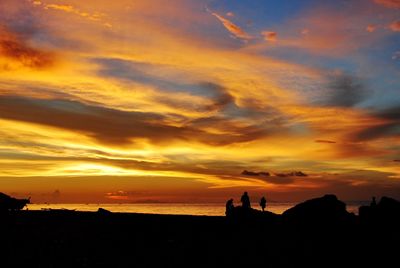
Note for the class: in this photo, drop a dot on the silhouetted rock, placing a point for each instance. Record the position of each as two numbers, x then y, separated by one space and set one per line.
10 203
327 209
386 212
103 211
240 213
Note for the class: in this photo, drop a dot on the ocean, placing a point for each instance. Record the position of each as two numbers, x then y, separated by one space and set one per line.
207 209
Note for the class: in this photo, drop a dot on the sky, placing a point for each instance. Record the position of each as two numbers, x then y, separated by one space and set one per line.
199 100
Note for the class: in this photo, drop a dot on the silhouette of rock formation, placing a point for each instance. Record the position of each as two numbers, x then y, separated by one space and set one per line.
103 211
240 213
386 212
327 209
10 203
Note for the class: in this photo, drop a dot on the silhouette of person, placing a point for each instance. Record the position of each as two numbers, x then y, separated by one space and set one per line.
229 207
263 203
373 203
245 201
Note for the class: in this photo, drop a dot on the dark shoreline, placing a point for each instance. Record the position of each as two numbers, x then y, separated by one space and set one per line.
102 239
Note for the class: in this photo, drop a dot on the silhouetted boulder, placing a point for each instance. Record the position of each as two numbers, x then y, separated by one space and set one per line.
10 203
389 205
240 213
103 211
327 210
386 212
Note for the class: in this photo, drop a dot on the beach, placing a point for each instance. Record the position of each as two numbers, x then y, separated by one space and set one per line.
198 209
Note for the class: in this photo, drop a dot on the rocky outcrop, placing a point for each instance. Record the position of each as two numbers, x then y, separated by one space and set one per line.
386 212
240 213
10 203
323 210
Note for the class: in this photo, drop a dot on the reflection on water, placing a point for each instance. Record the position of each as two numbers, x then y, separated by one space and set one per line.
209 209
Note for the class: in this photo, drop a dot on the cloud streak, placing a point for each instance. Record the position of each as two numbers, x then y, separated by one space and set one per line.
95 16
389 3
235 30
395 26
112 126
269 36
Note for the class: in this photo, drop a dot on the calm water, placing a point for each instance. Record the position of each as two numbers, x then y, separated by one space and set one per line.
210 209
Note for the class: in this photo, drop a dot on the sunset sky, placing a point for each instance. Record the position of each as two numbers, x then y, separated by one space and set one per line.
171 100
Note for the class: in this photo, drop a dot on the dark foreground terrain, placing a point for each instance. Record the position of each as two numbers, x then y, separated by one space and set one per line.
247 239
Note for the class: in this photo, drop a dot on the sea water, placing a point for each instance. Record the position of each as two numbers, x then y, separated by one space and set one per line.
208 209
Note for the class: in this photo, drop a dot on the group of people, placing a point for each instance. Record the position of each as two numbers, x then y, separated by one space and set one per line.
245 200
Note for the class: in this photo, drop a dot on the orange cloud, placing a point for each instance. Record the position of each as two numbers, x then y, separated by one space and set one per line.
325 141
16 48
371 28
395 26
389 3
305 31
269 36
232 28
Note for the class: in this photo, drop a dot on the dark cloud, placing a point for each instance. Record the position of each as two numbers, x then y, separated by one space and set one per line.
275 178
396 160
20 18
110 125
221 97
380 131
392 113
292 174
325 141
16 47
146 73
252 173
342 90
389 127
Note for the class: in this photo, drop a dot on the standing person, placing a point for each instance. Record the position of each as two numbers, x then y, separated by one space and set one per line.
245 201
373 203
229 207
263 203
